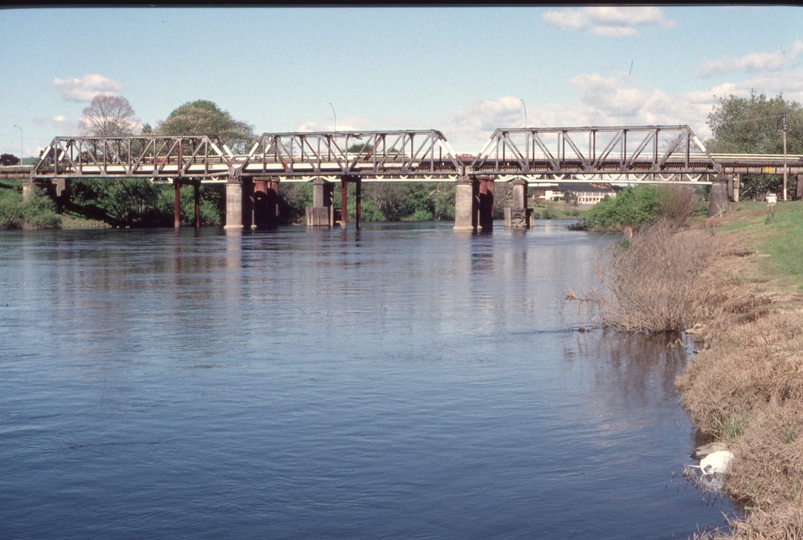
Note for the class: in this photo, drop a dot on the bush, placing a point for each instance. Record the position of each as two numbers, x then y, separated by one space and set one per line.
651 283
637 207
38 212
633 207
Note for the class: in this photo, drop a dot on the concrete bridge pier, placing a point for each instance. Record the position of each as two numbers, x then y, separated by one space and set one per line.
239 203
485 203
322 212
519 216
58 190
466 190
718 200
736 182
27 190
266 203
799 189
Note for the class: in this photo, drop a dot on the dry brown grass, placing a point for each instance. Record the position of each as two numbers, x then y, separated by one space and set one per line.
746 389
651 283
783 524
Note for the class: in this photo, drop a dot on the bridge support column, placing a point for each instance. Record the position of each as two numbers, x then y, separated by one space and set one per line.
358 196
343 201
718 201
266 203
176 203
519 216
799 189
27 191
239 207
485 205
321 214
344 180
196 187
737 182
465 204
61 188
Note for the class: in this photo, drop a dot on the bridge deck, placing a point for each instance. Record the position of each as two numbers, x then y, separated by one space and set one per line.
627 154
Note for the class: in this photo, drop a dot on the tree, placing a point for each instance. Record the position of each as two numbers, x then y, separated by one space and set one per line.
203 117
754 125
9 159
109 116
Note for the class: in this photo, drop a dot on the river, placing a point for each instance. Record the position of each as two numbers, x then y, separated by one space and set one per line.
401 381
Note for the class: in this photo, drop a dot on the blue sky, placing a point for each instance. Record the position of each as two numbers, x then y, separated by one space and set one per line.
464 71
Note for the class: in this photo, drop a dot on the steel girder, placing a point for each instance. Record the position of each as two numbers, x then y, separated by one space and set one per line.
151 157
388 154
595 150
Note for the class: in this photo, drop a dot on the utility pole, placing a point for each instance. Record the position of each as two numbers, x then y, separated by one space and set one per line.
784 157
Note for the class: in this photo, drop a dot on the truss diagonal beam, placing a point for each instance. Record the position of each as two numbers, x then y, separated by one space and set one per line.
642 149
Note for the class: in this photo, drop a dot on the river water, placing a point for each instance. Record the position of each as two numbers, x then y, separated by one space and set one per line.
402 381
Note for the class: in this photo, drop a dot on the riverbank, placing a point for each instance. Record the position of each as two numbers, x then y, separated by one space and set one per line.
745 386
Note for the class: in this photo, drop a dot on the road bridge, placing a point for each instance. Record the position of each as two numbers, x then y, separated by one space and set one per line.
523 156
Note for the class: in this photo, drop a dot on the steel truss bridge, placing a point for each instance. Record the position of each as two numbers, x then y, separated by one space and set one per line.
632 154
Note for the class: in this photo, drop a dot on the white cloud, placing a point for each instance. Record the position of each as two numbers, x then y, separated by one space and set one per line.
605 101
75 89
349 123
60 123
760 61
608 21
610 101
613 31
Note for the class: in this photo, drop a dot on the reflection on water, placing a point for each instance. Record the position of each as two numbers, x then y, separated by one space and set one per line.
400 381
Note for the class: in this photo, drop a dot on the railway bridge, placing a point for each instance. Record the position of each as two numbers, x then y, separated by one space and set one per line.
522 156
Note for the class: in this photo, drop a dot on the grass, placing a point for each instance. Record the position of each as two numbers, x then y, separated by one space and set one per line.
559 210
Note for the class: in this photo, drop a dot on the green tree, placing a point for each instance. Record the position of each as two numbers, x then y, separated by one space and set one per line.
631 207
9 159
203 117
754 125
136 202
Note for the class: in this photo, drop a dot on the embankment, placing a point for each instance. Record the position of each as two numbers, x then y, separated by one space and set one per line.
745 387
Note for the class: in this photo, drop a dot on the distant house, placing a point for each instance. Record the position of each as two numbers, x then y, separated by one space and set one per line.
587 194
595 196
542 194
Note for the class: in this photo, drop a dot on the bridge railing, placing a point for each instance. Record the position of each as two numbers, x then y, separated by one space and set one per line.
595 150
153 157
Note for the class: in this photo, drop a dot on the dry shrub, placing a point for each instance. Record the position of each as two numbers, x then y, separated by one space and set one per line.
651 284
677 204
783 524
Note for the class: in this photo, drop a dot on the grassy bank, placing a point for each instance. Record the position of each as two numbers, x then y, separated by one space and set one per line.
745 387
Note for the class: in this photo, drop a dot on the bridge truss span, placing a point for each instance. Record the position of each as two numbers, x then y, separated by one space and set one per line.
371 155
654 152
154 157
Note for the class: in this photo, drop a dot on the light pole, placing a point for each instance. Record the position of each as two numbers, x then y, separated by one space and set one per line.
335 115
525 113
784 157
22 143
